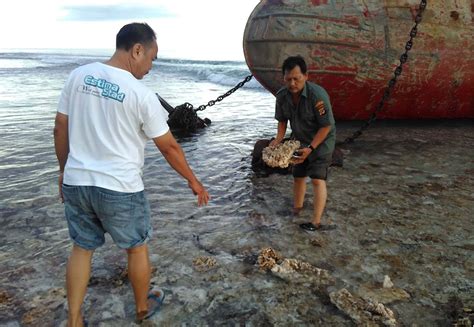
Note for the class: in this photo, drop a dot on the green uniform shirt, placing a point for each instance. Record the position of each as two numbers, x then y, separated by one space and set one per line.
305 119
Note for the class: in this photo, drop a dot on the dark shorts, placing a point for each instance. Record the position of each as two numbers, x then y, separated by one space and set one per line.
316 169
92 211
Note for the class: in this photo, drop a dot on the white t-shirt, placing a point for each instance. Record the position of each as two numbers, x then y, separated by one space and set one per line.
111 116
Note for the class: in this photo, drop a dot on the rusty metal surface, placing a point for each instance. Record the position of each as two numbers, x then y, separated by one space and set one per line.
352 47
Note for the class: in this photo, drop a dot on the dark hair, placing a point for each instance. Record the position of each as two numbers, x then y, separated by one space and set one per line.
134 33
292 62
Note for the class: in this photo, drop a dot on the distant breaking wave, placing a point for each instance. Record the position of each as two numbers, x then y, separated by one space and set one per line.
25 62
226 73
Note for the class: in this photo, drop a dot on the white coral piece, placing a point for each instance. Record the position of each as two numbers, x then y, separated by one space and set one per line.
280 155
387 282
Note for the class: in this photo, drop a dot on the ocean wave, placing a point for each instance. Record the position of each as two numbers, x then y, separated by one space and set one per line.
232 80
226 73
45 60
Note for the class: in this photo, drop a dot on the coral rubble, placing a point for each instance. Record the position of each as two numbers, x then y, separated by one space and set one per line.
362 312
204 263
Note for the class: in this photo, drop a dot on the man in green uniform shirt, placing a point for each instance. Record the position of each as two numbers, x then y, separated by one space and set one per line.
307 107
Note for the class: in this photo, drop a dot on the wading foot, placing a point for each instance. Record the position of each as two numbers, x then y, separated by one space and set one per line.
313 227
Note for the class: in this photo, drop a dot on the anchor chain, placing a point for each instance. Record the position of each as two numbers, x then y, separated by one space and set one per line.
393 81
185 116
223 96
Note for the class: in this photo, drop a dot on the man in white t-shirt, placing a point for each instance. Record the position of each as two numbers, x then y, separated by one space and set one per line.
105 117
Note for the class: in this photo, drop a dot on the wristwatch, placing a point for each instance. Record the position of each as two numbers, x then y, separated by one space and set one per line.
311 147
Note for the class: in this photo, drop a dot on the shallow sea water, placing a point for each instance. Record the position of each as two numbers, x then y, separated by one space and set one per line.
403 204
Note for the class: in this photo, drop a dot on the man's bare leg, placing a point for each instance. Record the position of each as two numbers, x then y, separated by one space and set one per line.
77 277
319 199
139 273
299 191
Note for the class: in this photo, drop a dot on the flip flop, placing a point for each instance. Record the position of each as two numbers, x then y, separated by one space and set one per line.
308 226
156 296
312 227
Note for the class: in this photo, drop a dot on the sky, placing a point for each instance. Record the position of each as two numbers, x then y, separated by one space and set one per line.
190 29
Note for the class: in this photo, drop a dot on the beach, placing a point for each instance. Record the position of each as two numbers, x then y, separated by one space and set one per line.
403 205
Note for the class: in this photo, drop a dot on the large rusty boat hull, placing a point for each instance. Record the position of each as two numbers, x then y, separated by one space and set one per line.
353 46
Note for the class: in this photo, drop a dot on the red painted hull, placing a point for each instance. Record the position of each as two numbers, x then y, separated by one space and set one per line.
352 48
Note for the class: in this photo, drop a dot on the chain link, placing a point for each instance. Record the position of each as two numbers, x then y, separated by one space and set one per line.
185 117
393 80
220 97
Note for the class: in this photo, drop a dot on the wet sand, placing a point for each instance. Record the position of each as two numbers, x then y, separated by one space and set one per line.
403 204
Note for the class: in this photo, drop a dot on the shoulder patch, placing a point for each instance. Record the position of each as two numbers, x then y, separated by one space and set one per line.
319 106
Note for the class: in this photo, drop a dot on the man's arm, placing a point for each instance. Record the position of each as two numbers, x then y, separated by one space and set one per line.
281 131
320 136
61 145
173 153
317 140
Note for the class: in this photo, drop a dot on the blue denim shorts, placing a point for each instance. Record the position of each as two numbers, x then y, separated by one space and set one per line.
92 211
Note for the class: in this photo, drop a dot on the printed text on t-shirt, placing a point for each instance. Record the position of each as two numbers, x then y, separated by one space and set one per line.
109 90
